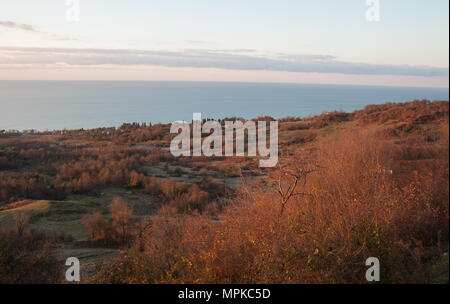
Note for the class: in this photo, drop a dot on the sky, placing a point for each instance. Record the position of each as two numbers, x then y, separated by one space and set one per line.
321 41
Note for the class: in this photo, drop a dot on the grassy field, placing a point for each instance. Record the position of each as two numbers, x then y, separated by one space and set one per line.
66 215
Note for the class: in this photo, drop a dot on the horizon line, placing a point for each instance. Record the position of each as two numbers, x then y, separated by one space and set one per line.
231 82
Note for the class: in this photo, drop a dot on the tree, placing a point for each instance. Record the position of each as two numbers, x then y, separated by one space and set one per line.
291 173
121 213
95 224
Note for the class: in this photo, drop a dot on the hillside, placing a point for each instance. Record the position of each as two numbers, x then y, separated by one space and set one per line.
348 186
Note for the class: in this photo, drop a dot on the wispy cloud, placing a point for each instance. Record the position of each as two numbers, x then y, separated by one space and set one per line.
31 29
198 42
20 26
203 58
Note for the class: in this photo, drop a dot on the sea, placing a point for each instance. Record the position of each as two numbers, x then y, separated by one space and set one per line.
58 105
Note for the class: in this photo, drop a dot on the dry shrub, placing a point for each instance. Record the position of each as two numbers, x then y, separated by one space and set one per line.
121 214
151 186
28 258
358 205
171 189
193 199
95 224
230 169
417 111
302 138
355 210
117 231
163 255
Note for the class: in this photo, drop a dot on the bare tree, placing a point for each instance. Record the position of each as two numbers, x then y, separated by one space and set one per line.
290 174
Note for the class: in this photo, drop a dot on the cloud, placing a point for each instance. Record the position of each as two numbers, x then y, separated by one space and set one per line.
203 58
197 42
20 26
31 29
307 58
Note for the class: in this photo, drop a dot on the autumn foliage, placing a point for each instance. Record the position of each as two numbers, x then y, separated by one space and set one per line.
348 186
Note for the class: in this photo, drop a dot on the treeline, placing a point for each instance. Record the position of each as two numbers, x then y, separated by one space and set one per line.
121 170
55 172
127 133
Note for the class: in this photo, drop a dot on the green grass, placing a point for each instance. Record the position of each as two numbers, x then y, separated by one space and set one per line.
53 216
35 208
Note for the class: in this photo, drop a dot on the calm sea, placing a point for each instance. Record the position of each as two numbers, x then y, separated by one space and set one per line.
49 105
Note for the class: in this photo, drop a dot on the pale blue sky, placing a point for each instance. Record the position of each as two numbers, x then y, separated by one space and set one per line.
286 40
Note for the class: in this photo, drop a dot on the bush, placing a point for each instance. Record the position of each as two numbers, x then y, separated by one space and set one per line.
28 258
357 205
